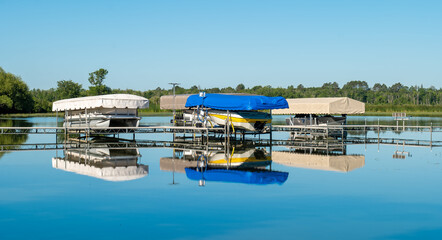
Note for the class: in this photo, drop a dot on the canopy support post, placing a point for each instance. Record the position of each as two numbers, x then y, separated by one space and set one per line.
431 135
87 125
228 128
271 131
56 125
65 125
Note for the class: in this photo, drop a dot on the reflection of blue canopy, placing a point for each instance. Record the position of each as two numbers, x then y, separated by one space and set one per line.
236 176
237 102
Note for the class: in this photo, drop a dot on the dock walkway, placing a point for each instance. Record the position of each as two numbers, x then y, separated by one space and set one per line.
191 129
326 145
108 130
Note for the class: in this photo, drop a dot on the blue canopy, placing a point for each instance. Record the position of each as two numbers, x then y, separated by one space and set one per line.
236 102
237 176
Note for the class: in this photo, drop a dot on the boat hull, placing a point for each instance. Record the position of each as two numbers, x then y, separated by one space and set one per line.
248 158
247 120
102 121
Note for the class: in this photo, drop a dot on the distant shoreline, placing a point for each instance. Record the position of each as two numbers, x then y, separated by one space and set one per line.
412 114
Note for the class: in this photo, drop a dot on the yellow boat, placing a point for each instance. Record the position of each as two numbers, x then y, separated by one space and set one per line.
248 120
240 111
243 158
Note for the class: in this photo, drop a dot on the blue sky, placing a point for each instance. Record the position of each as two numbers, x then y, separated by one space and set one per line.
146 44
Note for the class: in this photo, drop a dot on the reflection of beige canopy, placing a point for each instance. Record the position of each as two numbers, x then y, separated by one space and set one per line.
338 105
112 173
102 101
177 165
166 102
339 163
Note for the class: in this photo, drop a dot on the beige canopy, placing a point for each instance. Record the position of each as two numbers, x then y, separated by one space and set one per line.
338 163
166 102
337 105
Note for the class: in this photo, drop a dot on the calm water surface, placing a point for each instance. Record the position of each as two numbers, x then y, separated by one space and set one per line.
370 196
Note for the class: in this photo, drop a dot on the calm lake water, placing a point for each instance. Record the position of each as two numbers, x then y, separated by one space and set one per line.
370 192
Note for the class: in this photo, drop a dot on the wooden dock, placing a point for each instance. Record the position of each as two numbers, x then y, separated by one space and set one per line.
372 127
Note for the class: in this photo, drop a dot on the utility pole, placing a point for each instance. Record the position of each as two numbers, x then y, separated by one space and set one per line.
174 112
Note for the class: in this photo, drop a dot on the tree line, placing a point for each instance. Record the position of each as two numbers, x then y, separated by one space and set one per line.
15 96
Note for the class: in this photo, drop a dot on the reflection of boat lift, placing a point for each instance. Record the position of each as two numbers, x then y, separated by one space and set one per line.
402 116
251 175
173 169
103 162
316 161
243 165
401 154
321 157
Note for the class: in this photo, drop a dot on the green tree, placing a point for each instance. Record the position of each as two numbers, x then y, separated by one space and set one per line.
240 87
379 87
329 89
396 87
5 102
96 79
14 94
356 89
355 84
43 100
68 89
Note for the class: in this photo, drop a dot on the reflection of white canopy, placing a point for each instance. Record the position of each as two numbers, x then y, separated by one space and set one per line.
115 174
103 154
338 105
102 101
339 163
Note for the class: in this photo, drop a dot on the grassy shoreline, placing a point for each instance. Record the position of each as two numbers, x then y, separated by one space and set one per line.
410 110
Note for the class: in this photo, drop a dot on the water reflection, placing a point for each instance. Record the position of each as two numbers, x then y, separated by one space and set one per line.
247 176
337 161
10 139
243 165
392 196
104 162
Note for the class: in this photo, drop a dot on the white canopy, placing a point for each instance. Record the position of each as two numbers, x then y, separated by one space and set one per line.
115 174
339 163
101 101
337 105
